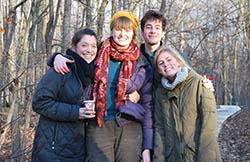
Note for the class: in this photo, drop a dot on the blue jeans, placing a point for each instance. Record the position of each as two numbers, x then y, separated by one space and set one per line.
111 143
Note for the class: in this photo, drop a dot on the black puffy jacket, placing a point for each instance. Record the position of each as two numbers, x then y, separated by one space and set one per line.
60 135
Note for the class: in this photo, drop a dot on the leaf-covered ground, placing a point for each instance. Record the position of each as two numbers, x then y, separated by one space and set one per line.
233 139
5 151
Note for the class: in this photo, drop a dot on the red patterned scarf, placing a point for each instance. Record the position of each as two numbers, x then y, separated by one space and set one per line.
128 58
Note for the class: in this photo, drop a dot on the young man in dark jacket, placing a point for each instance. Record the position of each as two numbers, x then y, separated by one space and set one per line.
153 27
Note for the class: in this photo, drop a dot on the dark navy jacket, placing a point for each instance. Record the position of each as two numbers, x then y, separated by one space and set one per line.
60 135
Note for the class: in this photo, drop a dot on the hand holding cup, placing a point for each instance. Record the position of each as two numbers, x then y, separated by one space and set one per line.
88 111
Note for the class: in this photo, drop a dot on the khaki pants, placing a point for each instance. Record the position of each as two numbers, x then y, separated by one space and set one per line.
111 143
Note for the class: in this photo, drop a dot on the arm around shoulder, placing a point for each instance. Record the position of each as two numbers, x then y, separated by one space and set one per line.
51 59
208 148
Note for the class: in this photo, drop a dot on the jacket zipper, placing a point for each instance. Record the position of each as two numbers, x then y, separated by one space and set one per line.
54 137
79 80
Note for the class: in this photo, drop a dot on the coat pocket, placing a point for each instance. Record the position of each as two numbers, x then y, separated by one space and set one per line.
70 139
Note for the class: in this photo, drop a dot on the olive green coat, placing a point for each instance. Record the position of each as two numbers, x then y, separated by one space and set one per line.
185 123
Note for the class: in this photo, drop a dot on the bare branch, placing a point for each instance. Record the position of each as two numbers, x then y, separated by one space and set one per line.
13 80
209 32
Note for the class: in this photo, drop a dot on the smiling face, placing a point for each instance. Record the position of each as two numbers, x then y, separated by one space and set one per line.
123 31
122 37
86 48
167 65
153 32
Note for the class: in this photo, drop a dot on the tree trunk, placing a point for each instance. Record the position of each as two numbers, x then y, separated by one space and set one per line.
224 72
51 25
235 67
83 17
9 28
89 14
15 130
40 41
66 24
100 19
163 6
5 130
26 126
247 58
125 5
79 18
114 7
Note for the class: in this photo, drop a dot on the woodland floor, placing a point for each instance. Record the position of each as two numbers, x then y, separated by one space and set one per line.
233 139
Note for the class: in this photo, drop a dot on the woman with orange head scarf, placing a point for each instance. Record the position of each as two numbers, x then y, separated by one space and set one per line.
123 129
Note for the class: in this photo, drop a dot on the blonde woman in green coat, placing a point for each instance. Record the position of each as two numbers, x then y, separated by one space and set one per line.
185 113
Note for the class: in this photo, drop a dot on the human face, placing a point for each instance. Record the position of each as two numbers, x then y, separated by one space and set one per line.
86 48
122 37
167 65
153 32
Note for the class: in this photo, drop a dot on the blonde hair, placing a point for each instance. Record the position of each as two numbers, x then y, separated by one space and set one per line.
174 53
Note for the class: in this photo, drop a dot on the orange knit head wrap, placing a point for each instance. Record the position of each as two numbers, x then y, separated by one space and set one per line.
128 15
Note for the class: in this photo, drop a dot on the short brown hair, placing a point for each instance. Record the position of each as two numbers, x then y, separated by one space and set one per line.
153 15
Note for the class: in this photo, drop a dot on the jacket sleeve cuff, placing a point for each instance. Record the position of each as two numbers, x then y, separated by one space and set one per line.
52 58
75 113
147 139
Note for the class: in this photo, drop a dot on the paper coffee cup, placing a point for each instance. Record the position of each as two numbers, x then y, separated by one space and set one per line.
90 104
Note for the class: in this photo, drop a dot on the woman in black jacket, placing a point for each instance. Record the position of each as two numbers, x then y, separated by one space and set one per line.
60 134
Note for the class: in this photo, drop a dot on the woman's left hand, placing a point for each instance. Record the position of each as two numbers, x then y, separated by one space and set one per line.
146 156
85 113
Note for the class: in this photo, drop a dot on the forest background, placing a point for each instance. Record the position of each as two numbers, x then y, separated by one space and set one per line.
214 34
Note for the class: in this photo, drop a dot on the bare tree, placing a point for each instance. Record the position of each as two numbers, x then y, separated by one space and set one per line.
88 13
10 28
9 25
79 17
51 25
163 6
100 19
66 24
114 7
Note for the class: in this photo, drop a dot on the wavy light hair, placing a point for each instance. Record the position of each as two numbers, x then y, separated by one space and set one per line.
174 53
